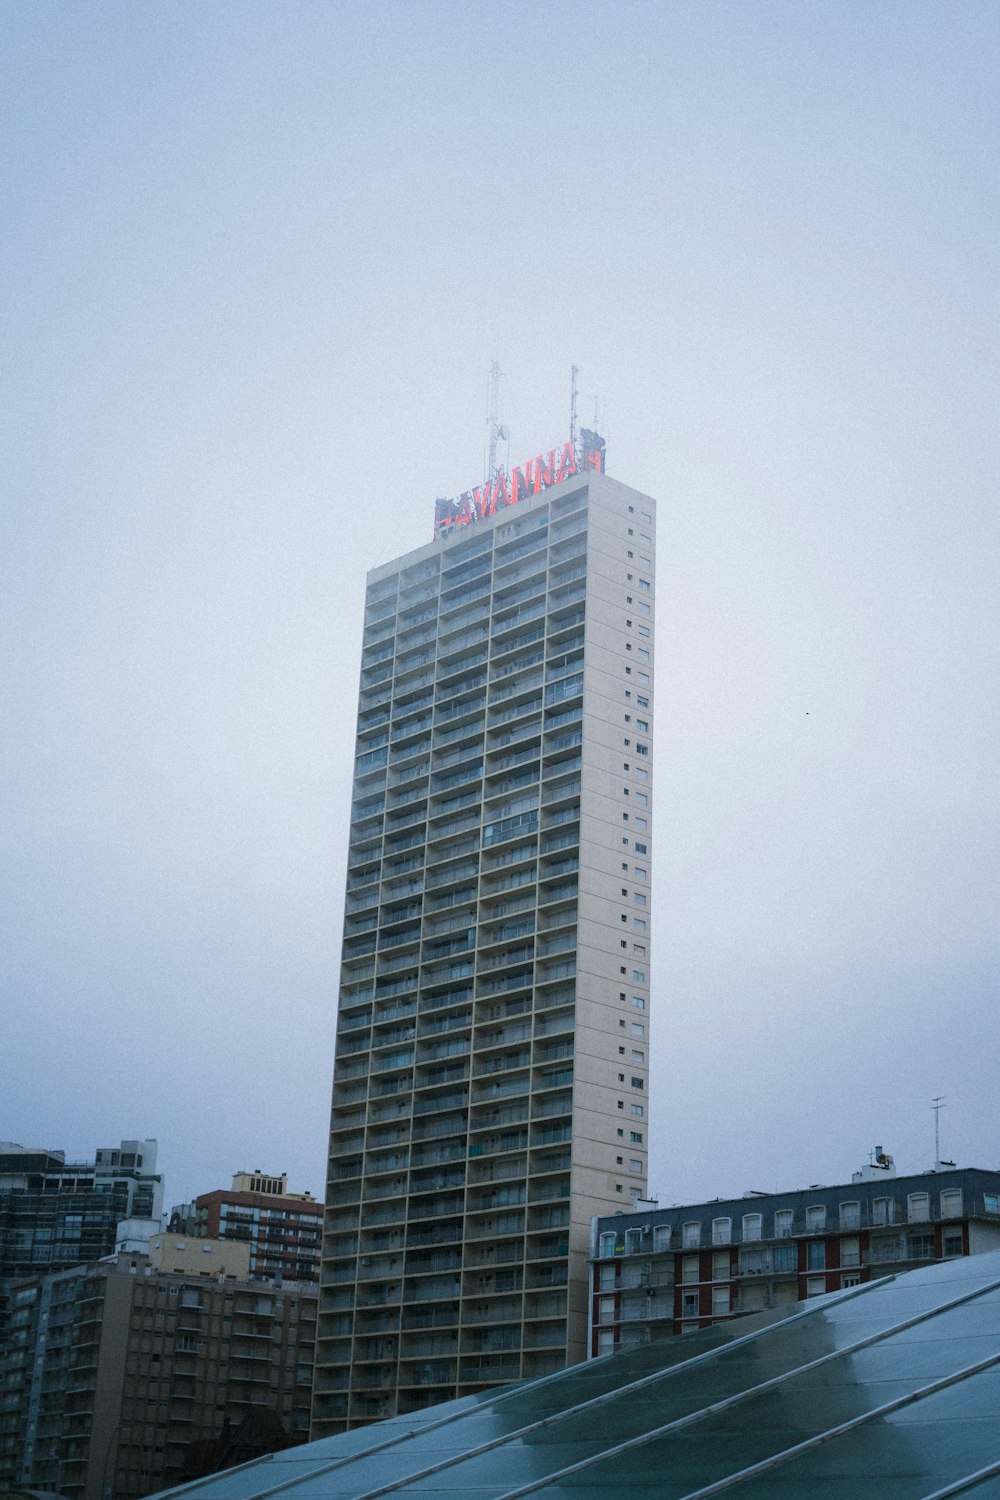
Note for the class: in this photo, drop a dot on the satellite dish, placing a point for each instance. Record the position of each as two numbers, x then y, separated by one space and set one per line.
503 432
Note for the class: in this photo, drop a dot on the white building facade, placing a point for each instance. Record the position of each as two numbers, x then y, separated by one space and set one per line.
491 1077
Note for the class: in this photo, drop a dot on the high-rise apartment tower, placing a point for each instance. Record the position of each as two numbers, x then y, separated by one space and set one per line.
491 1076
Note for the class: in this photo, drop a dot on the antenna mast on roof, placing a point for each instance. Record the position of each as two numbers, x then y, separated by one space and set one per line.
936 1105
574 372
492 429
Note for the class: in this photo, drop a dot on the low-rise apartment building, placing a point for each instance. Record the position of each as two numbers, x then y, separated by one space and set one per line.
663 1271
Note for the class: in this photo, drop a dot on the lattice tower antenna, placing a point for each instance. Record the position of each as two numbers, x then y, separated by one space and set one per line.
936 1105
492 428
574 372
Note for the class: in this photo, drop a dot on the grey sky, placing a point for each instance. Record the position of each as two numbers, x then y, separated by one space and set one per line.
256 259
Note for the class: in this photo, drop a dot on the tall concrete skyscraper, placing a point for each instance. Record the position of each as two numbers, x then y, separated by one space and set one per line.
491 1075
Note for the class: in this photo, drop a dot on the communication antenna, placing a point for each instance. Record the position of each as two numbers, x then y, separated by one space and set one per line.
503 433
936 1105
574 372
492 430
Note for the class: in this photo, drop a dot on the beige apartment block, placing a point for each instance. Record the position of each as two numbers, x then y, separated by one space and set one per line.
491 1076
119 1380
203 1257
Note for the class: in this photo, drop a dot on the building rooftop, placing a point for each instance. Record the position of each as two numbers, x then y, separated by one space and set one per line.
888 1390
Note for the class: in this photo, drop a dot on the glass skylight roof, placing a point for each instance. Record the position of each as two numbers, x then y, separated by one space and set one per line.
887 1390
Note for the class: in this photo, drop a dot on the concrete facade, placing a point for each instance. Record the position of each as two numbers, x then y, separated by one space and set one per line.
56 1213
199 1256
116 1381
491 1076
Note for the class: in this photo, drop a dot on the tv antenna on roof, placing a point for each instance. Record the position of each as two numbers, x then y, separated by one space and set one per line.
574 372
496 431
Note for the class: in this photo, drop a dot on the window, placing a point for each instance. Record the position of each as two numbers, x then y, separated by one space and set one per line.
720 1266
883 1211
689 1304
815 1218
634 1164
642 724
606 1310
607 1245
642 799
783 1224
850 1250
951 1243
637 1110
637 1083
753 1262
638 1028
918 1207
635 1137
642 655
641 749
785 1259
884 1247
661 1237
690 1265
640 848
991 1203
633 1241
951 1203
608 1273
638 1002
638 1055
753 1226
850 1216
720 1301
850 1279
815 1255
815 1286
691 1235
920 1246
722 1231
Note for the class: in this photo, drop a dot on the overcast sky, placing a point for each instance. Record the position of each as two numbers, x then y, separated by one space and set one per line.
256 259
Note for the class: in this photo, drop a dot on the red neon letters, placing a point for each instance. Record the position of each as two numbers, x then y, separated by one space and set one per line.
527 479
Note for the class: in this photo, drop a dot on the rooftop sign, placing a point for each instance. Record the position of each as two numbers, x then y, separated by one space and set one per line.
529 478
